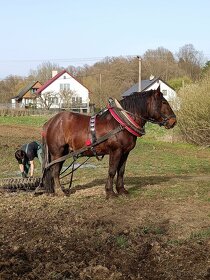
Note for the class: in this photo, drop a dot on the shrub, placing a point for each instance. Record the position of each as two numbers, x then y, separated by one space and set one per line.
194 113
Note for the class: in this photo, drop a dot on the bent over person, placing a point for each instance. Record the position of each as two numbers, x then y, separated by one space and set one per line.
25 157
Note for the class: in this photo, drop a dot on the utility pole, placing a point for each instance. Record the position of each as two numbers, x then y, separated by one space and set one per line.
139 83
100 98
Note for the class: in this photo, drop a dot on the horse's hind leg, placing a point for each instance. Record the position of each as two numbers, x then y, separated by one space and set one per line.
120 175
47 183
56 173
114 159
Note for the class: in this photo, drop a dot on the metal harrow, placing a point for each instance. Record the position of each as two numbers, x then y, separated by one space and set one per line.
16 184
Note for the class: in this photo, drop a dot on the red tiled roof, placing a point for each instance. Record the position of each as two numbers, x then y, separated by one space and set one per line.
49 82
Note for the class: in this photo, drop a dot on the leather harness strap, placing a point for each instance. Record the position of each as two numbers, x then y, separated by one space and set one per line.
92 127
124 118
78 153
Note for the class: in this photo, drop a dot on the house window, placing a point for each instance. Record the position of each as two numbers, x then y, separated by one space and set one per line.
64 86
164 92
33 90
77 100
53 100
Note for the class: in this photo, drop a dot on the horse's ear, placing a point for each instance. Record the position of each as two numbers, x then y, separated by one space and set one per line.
157 92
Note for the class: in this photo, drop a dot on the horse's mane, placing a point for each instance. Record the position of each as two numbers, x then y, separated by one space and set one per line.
136 102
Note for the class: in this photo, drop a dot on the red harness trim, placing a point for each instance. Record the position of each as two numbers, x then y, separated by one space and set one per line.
88 142
120 121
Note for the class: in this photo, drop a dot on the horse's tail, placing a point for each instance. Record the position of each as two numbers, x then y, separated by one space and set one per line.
47 182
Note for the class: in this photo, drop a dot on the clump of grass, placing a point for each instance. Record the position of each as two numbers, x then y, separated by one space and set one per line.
157 230
202 234
121 241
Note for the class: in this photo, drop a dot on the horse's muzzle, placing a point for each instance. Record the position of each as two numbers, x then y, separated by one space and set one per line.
170 123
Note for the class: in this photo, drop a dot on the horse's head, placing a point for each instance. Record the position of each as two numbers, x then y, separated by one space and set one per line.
160 111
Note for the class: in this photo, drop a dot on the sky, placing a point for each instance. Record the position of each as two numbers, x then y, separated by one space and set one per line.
79 32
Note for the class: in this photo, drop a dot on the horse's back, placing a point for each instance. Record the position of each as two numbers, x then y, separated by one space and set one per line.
67 128
66 119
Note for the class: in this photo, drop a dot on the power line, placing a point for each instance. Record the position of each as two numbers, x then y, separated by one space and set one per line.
76 60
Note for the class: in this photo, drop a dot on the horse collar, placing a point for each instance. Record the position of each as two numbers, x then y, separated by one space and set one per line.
124 118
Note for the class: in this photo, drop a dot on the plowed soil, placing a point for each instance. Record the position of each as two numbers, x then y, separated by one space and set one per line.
158 232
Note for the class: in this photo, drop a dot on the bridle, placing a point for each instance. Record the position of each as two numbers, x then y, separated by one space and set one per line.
161 123
152 120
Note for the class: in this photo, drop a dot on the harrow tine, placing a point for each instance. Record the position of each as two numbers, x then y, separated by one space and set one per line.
19 184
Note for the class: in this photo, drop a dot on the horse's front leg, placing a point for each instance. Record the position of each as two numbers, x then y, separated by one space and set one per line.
114 158
120 175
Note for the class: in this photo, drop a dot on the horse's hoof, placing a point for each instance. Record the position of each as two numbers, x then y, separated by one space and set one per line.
111 195
67 192
123 192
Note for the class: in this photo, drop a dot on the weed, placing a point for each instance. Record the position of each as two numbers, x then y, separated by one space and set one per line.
121 241
153 229
202 234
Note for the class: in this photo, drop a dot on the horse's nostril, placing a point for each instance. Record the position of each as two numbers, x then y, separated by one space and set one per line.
173 123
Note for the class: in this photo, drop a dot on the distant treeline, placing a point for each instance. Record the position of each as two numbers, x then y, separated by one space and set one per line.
113 75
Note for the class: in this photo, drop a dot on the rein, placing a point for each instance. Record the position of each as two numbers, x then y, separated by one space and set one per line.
76 154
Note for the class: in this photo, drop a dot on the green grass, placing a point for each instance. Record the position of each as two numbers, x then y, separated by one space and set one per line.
157 157
202 234
36 121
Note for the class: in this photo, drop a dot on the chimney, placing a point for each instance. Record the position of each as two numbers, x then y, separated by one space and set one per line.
151 77
54 73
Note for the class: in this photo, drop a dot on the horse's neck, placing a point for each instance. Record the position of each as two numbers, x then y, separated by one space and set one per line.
138 113
139 119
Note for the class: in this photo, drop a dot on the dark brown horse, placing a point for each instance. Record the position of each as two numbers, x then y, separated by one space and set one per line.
69 131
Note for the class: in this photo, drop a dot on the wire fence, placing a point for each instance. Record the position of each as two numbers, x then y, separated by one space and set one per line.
7 109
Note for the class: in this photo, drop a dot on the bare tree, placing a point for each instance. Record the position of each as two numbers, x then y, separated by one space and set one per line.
66 98
160 63
44 71
46 100
190 60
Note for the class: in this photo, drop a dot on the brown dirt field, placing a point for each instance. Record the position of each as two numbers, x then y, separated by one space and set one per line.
85 236
14 131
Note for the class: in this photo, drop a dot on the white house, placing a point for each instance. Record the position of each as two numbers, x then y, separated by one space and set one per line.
63 91
153 83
